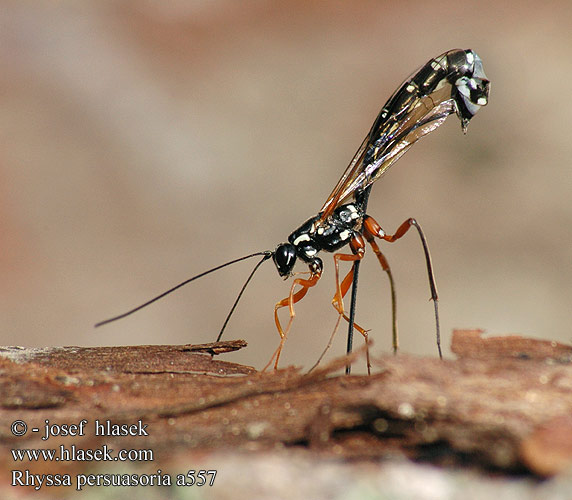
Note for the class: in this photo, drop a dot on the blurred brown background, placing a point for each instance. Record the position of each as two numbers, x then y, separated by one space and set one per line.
143 142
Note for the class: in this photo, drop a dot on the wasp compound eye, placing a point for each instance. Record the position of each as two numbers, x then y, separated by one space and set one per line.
285 258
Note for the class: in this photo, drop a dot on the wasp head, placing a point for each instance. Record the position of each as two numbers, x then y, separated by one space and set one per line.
284 259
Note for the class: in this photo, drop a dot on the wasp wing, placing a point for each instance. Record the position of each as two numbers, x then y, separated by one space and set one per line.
353 169
425 117
387 141
453 82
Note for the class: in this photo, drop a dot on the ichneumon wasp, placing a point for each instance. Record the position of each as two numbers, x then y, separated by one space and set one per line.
452 83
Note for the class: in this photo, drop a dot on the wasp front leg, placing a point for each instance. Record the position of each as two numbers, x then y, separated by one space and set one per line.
316 267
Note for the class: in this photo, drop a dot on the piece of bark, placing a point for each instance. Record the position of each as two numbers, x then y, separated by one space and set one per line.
472 344
133 359
491 410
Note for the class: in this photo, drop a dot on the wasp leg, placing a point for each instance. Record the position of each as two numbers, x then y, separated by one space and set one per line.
357 245
345 285
315 274
385 266
373 229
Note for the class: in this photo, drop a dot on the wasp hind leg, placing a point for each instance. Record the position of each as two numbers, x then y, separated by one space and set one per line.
385 266
306 284
372 229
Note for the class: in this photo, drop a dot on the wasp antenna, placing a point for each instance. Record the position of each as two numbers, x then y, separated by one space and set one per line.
266 255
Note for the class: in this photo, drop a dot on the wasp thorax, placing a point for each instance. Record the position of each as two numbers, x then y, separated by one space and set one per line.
284 258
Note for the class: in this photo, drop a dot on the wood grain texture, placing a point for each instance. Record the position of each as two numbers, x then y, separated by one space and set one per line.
505 404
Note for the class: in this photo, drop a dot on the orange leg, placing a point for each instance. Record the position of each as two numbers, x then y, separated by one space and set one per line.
315 273
373 229
357 245
344 287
